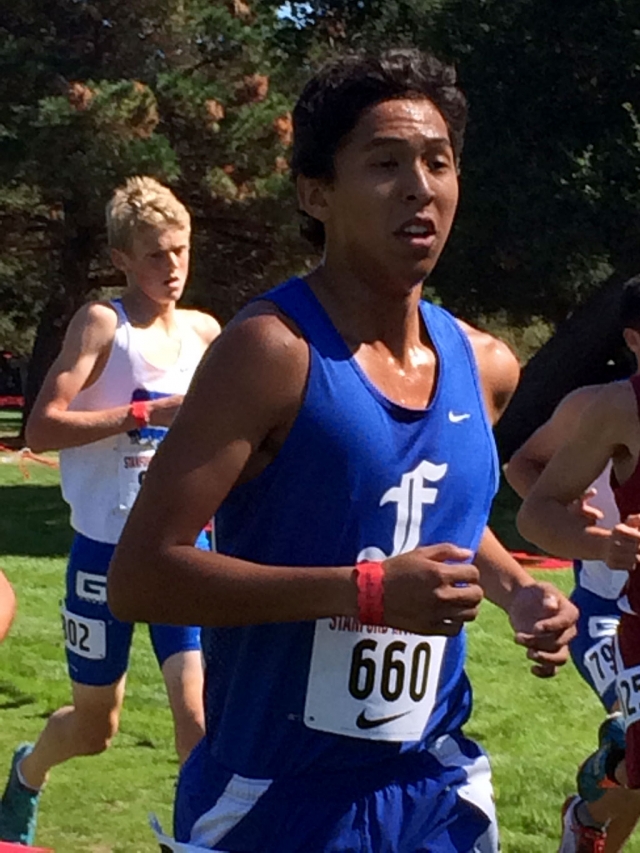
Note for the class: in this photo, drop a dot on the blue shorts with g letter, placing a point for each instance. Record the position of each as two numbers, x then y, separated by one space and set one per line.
98 644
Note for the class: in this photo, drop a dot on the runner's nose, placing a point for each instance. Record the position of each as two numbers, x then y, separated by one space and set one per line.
419 185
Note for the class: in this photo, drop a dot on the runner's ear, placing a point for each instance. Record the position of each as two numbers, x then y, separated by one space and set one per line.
120 260
313 197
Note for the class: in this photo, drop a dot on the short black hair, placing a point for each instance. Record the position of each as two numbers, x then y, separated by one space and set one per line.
334 99
629 311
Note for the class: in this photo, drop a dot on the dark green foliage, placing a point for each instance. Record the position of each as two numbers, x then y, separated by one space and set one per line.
198 93
91 93
550 174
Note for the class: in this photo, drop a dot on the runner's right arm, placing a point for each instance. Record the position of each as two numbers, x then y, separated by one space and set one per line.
86 348
527 463
546 518
7 606
243 401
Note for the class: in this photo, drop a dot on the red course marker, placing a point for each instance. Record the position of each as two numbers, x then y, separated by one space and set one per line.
537 561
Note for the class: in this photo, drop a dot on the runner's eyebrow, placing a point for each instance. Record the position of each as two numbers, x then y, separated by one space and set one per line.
380 141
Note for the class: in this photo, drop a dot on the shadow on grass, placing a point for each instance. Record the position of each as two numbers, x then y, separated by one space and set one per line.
11 697
34 521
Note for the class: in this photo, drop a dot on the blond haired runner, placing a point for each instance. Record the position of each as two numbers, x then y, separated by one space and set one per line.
106 403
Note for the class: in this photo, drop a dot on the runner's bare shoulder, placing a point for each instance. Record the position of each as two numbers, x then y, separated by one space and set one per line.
263 349
573 405
498 366
613 402
92 327
611 417
489 350
204 325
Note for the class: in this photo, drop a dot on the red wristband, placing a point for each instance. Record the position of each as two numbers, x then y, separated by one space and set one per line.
369 577
140 412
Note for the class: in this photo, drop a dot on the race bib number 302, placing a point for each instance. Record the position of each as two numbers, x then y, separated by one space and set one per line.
85 637
371 682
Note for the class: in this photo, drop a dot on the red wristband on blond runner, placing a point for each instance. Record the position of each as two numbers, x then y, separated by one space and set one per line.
140 411
370 593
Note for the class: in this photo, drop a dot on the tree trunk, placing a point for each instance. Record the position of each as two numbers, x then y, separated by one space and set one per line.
586 349
46 347
78 249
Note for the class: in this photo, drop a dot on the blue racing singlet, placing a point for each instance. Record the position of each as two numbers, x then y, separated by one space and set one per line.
358 477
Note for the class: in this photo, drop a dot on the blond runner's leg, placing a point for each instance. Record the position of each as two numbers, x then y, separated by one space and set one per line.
84 728
184 677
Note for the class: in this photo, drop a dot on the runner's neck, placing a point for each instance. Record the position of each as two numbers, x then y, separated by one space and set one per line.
145 313
364 313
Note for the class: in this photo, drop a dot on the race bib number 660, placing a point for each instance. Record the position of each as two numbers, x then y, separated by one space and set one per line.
371 682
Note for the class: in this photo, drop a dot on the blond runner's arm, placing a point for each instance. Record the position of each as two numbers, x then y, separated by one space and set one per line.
51 425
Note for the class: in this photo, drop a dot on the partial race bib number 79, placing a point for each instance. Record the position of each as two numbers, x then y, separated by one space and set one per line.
600 660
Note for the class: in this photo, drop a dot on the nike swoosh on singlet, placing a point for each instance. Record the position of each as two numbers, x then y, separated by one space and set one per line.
363 722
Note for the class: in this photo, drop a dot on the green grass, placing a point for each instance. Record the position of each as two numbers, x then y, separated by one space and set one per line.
92 805
10 419
536 731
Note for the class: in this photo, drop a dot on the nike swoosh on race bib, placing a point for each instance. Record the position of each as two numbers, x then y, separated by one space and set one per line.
363 722
456 419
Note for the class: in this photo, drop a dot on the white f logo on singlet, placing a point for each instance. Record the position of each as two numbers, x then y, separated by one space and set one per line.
411 495
372 681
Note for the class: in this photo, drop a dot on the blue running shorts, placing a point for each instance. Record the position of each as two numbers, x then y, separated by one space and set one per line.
438 800
98 644
592 650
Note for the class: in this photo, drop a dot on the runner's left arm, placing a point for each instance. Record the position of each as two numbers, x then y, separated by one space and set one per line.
542 617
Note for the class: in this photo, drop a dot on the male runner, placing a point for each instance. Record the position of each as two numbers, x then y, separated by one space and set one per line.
608 820
340 420
106 403
7 606
607 431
